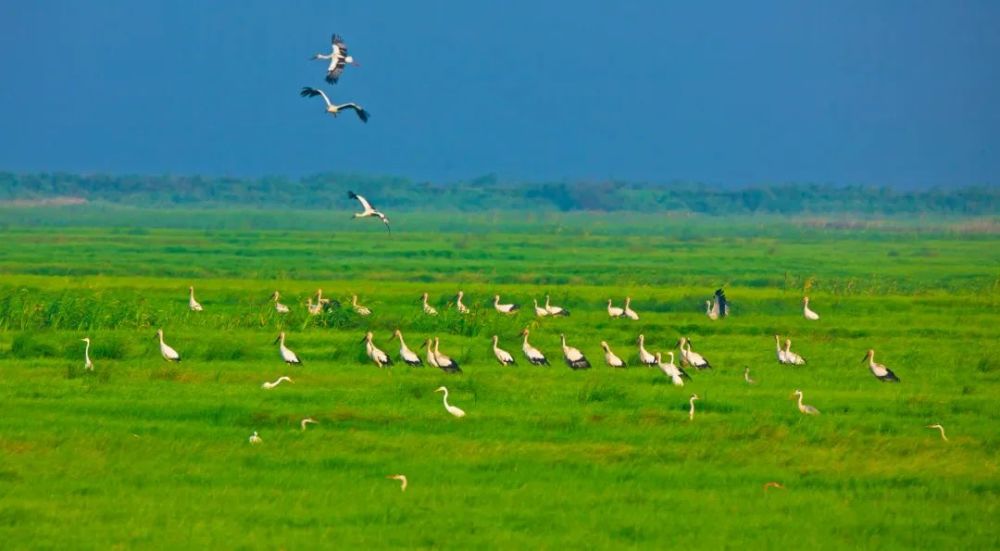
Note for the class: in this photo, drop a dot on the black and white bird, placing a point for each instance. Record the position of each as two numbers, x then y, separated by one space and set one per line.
574 358
333 108
533 354
502 355
444 362
408 356
368 210
670 369
610 357
193 304
166 351
555 310
690 357
880 371
286 354
279 307
339 59
380 358
628 311
720 306
615 311
507 308
807 312
645 358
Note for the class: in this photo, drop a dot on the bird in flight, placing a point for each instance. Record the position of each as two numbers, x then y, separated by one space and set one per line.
339 59
368 210
332 108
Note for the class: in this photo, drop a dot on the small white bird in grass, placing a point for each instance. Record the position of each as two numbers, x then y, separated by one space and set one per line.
333 108
610 357
361 310
502 355
690 357
307 421
508 308
805 408
691 411
402 480
806 311
428 309
87 364
645 358
880 371
555 310
269 386
166 351
338 59
380 358
533 354
286 354
369 210
457 412
791 357
615 311
746 376
444 362
628 311
279 307
408 356
675 373
939 428
459 305
574 358
539 311
192 303
255 439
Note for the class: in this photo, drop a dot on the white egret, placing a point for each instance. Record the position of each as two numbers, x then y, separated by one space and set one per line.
555 310
615 311
255 439
610 357
880 371
192 303
506 308
269 386
428 309
806 311
380 358
335 109
645 358
457 412
805 408
502 355
402 480
628 311
940 429
359 309
286 354
533 354
307 421
691 411
279 307
408 356
574 358
87 364
166 351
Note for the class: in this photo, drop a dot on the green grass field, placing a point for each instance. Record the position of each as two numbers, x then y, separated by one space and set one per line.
145 454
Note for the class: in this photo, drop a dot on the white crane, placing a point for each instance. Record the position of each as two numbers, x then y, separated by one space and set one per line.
428 309
502 355
533 354
791 357
333 108
746 376
691 411
368 210
645 358
628 311
283 378
555 310
444 362
166 351
940 429
615 311
880 371
431 359
690 357
193 304
307 421
778 351
380 358
610 357
539 311
459 305
805 408
338 57
574 358
359 309
255 439
402 480
87 364
408 356
279 307
457 412
508 308
287 355
806 311
675 373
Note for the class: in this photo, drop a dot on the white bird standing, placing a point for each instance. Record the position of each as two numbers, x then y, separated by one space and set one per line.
408 356
279 307
314 309
444 362
508 308
939 428
555 310
779 352
428 309
880 371
533 354
691 411
193 304
457 412
402 480
380 358
628 311
283 378
332 108
574 358
645 358
805 408
712 313
255 439
690 357
459 305
502 355
338 57
615 311
87 364
431 359
791 357
286 354
670 370
539 311
610 357
806 311
166 351
361 310
307 421
368 210
746 376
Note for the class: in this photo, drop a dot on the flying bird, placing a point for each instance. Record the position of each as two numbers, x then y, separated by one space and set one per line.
368 210
402 480
769 485
332 108
338 57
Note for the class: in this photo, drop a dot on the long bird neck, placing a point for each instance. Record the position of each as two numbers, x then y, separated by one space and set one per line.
788 346
86 351
800 400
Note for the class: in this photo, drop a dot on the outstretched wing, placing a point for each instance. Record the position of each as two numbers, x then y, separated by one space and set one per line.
720 298
334 71
308 92
364 202
362 114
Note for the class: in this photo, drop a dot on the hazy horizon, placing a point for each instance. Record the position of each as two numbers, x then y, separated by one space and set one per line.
895 94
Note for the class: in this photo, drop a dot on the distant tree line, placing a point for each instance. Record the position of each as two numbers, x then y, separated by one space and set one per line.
488 193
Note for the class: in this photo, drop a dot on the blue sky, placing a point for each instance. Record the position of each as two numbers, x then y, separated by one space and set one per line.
895 92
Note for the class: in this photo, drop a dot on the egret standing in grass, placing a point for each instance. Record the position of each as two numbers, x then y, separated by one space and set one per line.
533 354
746 376
87 364
457 412
255 439
286 354
806 311
539 311
307 421
805 408
691 411
402 480
429 345
555 310
690 357
408 356
166 351
779 352
940 429
880 371
279 307
283 378
610 357
502 355
380 358
574 358
193 304
314 309
614 311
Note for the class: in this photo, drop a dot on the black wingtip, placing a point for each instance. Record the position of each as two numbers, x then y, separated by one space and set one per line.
363 115
308 92
352 195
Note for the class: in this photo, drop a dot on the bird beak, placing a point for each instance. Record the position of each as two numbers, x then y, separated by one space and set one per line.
277 339
363 339
865 358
